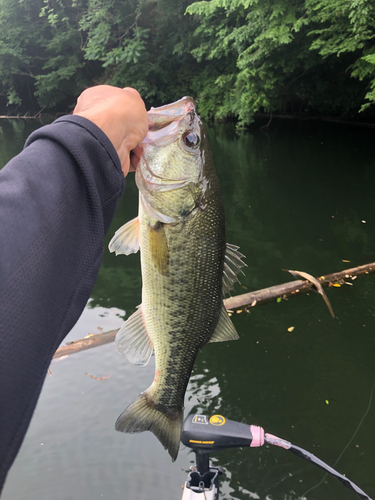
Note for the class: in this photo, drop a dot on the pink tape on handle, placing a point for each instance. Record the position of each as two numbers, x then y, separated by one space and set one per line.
258 436
276 441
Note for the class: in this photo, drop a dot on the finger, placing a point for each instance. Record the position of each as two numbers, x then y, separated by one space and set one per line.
135 156
130 89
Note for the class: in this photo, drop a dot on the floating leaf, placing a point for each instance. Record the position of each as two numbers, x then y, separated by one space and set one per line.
291 328
253 303
105 377
343 260
61 358
327 402
336 285
278 299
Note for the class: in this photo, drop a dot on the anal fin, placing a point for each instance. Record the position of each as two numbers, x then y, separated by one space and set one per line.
225 329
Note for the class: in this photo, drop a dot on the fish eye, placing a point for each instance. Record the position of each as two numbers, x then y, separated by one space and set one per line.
191 140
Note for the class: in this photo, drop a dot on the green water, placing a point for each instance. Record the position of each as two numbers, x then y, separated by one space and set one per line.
295 198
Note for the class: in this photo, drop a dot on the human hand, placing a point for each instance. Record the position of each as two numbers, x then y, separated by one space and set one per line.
122 116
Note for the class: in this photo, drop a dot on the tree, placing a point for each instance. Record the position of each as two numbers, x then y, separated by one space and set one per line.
143 44
41 61
347 27
64 73
235 57
19 48
287 52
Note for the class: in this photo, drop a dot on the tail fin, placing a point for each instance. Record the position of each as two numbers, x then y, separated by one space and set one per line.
141 416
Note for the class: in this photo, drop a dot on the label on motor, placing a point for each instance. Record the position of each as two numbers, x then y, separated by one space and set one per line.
200 419
217 420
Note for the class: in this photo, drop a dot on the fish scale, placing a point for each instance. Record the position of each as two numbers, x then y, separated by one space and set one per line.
175 319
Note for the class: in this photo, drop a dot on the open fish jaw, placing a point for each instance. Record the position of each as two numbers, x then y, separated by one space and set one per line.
165 122
164 115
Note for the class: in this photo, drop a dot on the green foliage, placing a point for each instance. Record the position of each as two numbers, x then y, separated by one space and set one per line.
347 27
236 57
143 44
264 37
41 56
287 53
17 44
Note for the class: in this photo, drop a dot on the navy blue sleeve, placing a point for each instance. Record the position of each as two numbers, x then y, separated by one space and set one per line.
57 200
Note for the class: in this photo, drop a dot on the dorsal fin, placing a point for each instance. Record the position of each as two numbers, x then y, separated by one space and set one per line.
232 266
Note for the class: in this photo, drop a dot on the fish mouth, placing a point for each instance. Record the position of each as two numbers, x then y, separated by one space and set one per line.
164 128
164 121
164 115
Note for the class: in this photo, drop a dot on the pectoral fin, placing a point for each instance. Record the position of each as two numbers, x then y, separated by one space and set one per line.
225 329
126 239
133 341
232 266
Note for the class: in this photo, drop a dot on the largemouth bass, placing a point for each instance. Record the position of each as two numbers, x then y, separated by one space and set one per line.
187 267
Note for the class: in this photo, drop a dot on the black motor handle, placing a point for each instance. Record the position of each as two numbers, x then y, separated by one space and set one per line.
217 433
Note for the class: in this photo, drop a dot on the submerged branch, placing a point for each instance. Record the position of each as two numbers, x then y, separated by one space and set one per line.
296 287
22 117
243 301
87 343
308 118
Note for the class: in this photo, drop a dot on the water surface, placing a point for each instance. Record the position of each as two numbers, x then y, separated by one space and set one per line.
295 198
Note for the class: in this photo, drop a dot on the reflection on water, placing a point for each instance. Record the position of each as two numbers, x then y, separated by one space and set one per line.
203 391
295 198
13 134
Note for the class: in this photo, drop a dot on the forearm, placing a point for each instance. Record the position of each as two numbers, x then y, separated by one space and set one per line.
57 199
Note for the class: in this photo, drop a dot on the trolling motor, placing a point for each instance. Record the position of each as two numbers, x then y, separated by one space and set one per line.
205 434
